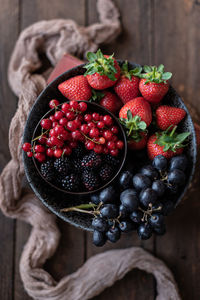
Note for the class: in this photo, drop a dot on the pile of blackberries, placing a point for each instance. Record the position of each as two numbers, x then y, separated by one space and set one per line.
143 201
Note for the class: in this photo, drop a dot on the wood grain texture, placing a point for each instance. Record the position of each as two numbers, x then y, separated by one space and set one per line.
8 33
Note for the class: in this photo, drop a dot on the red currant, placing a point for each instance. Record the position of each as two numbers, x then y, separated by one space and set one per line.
98 148
80 118
49 143
58 153
111 145
78 123
65 135
42 140
94 132
120 144
40 157
73 104
39 148
54 103
58 115
65 107
46 124
84 128
67 150
56 142
71 125
70 115
50 152
26 147
105 150
52 118
88 118
114 152
29 154
54 124
52 132
63 121
114 129
107 135
114 138
102 140
76 135
108 120
95 116
59 129
82 106
89 145
91 125
100 124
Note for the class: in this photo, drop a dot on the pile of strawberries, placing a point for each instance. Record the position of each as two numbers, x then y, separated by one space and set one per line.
135 94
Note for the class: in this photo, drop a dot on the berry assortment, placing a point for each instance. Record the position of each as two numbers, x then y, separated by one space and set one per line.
79 150
75 146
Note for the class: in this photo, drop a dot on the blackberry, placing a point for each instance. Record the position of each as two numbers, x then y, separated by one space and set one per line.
63 165
71 183
91 160
79 151
47 170
105 172
90 180
111 160
77 164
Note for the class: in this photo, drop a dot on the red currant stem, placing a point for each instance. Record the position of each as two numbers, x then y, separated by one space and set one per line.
90 139
78 210
38 137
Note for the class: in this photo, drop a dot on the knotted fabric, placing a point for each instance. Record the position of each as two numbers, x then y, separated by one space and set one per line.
54 38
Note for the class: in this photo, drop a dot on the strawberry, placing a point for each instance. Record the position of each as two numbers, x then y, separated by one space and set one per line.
166 143
139 143
76 88
137 107
111 102
103 71
154 85
127 87
168 115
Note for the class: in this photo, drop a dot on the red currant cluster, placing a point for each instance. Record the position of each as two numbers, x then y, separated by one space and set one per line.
68 125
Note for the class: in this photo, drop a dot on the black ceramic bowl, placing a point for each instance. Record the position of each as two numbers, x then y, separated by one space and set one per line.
55 199
92 107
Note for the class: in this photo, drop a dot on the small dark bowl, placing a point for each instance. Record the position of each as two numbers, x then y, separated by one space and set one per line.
92 107
55 199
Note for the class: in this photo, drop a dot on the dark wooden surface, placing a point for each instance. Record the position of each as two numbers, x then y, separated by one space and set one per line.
154 31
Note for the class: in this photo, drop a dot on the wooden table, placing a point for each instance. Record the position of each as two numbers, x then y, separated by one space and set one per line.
154 32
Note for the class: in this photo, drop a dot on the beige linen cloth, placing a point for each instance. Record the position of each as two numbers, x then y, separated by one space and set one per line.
54 38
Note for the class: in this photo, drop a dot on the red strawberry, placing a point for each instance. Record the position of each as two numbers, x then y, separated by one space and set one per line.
166 143
137 107
127 87
154 85
138 144
111 102
76 88
168 115
102 70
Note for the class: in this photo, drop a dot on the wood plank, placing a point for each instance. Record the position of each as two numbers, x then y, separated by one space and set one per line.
133 44
70 253
9 11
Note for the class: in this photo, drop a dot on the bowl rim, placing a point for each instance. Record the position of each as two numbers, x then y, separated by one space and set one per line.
123 155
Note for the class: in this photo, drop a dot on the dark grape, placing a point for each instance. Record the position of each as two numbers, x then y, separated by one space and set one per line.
150 171
99 238
109 211
125 180
95 198
159 187
108 195
129 199
148 196
100 224
113 234
123 211
126 226
144 231
156 219
160 163
178 162
136 216
176 177
141 182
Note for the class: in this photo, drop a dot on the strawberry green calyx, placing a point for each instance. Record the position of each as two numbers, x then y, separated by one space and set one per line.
133 126
155 74
129 73
98 63
171 140
96 96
